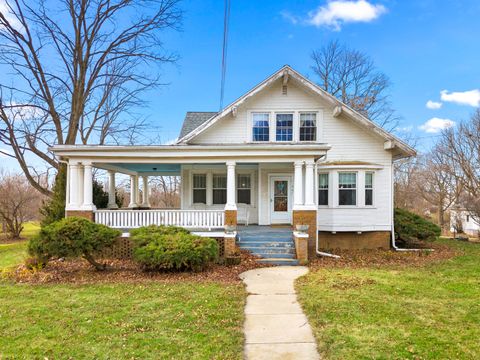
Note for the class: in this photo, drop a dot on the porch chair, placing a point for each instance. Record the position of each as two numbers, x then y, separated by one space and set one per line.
243 214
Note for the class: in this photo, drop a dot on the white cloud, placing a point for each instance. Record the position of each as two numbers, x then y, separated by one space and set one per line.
436 125
5 152
405 129
433 105
471 97
337 12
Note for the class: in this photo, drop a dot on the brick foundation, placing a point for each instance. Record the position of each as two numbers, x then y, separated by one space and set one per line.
87 214
230 247
231 217
301 247
307 217
353 240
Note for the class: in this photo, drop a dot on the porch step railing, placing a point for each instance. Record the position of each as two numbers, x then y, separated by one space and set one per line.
194 219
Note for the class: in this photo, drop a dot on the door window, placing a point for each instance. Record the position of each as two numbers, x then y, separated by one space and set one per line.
280 195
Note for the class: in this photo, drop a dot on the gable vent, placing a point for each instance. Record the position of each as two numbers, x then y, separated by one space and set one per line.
284 90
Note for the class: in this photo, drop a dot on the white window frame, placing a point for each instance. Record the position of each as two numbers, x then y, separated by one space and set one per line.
251 115
250 188
205 188
328 189
338 189
365 189
293 126
223 174
300 126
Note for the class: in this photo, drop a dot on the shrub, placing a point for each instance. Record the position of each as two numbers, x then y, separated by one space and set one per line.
159 248
70 238
410 226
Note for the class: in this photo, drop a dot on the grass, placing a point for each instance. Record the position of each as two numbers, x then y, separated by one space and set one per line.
13 253
428 312
120 321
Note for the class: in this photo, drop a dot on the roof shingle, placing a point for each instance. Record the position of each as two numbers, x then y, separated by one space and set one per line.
194 119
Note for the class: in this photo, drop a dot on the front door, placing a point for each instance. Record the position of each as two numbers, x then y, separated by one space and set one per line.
280 200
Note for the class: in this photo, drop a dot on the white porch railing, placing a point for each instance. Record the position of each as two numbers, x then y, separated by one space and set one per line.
194 219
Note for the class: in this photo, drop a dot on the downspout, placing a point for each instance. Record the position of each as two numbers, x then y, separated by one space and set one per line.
392 233
321 253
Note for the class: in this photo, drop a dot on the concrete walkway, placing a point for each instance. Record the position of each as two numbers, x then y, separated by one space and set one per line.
275 325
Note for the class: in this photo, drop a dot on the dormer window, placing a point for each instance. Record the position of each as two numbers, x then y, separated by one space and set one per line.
261 126
284 127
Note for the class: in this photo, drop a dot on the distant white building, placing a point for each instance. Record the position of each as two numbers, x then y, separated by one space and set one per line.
463 217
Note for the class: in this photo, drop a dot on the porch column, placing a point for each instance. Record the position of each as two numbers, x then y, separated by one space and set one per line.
73 187
133 192
137 190
309 194
87 186
81 178
112 204
231 204
298 184
146 200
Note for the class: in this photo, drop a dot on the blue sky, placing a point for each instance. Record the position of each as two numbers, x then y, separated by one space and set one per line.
425 47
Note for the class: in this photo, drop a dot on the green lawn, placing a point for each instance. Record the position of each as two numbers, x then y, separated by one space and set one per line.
12 254
118 321
430 312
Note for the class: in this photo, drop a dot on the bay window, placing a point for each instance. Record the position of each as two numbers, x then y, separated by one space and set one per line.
368 188
323 189
347 188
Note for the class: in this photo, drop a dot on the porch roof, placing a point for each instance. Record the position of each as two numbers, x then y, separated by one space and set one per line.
190 153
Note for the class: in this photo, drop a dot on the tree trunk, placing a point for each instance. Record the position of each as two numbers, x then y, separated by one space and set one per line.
94 263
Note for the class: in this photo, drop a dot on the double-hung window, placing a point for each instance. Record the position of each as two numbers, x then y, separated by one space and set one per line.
219 189
199 189
308 127
261 126
284 127
243 189
368 188
347 188
323 189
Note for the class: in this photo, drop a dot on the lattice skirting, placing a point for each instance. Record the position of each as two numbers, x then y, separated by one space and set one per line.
123 249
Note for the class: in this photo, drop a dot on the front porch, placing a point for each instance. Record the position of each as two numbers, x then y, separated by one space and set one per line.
251 184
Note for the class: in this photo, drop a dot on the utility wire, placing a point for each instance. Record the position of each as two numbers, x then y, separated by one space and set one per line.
226 17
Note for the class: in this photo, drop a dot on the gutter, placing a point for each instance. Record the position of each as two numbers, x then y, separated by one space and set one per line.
321 253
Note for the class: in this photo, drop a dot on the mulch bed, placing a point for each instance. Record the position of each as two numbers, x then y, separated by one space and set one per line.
127 271
387 258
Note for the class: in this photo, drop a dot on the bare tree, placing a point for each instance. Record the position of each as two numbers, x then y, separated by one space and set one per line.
437 183
78 68
18 203
165 192
461 146
352 77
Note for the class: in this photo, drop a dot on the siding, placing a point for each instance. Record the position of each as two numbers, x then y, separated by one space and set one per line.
349 142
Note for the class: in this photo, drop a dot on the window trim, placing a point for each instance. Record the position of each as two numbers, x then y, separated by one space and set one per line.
293 113
194 188
214 188
372 189
356 205
237 182
327 189
268 113
300 126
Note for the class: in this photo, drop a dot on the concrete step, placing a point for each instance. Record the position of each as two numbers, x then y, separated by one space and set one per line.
269 250
257 239
277 245
274 256
278 261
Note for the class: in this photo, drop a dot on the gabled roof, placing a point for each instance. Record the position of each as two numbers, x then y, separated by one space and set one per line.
193 119
391 141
